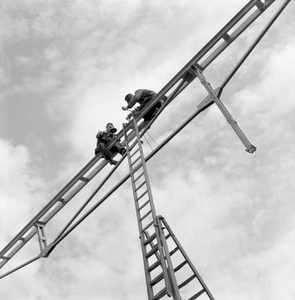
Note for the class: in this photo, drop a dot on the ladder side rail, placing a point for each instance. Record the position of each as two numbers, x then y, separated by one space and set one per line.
147 158
124 179
141 235
53 202
145 172
166 141
176 78
194 270
153 215
168 289
23 232
151 202
176 294
253 45
58 196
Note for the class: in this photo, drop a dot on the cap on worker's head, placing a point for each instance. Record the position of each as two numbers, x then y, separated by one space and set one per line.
128 97
113 129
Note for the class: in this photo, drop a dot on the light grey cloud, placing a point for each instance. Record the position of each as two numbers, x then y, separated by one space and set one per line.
71 65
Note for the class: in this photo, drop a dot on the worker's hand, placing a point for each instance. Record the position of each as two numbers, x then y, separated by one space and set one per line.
124 107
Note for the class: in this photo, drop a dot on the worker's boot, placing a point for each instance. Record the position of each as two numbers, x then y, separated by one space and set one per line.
123 151
113 162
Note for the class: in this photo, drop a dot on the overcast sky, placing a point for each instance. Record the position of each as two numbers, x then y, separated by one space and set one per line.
65 67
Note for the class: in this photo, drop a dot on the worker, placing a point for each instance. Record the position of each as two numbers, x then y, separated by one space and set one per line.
103 138
143 97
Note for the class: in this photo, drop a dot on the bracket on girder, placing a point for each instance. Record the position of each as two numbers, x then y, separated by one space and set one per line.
214 95
40 226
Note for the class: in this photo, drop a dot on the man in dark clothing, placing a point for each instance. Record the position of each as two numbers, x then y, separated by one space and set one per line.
103 138
143 97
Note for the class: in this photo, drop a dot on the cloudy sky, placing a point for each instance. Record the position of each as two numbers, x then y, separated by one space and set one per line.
65 67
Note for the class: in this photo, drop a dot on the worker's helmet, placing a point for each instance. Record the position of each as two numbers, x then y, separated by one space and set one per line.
128 97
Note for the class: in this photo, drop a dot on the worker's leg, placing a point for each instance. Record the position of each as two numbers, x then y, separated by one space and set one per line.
120 148
151 113
106 153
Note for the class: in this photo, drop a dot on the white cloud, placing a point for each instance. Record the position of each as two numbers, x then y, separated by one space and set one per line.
231 211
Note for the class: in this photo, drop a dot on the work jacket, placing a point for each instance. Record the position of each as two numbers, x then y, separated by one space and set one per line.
105 137
142 97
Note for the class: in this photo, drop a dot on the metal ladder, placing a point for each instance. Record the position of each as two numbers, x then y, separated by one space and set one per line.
160 275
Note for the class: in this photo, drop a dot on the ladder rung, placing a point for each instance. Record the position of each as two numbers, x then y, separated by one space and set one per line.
134 152
138 176
137 167
150 239
197 295
136 160
180 266
154 266
161 294
173 251
145 215
168 236
153 251
141 195
140 186
143 205
130 147
157 279
186 281
147 226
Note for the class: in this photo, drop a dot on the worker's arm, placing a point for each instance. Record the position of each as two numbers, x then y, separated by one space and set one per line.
131 103
100 137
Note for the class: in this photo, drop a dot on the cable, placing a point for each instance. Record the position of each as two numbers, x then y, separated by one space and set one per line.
148 143
153 139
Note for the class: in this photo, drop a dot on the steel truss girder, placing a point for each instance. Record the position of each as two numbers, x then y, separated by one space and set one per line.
181 80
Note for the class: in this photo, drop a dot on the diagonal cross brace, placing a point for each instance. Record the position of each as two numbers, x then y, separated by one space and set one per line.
214 96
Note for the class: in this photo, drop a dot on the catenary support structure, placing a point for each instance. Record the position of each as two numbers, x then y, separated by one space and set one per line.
192 70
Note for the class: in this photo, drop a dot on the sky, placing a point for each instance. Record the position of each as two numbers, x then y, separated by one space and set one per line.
65 68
